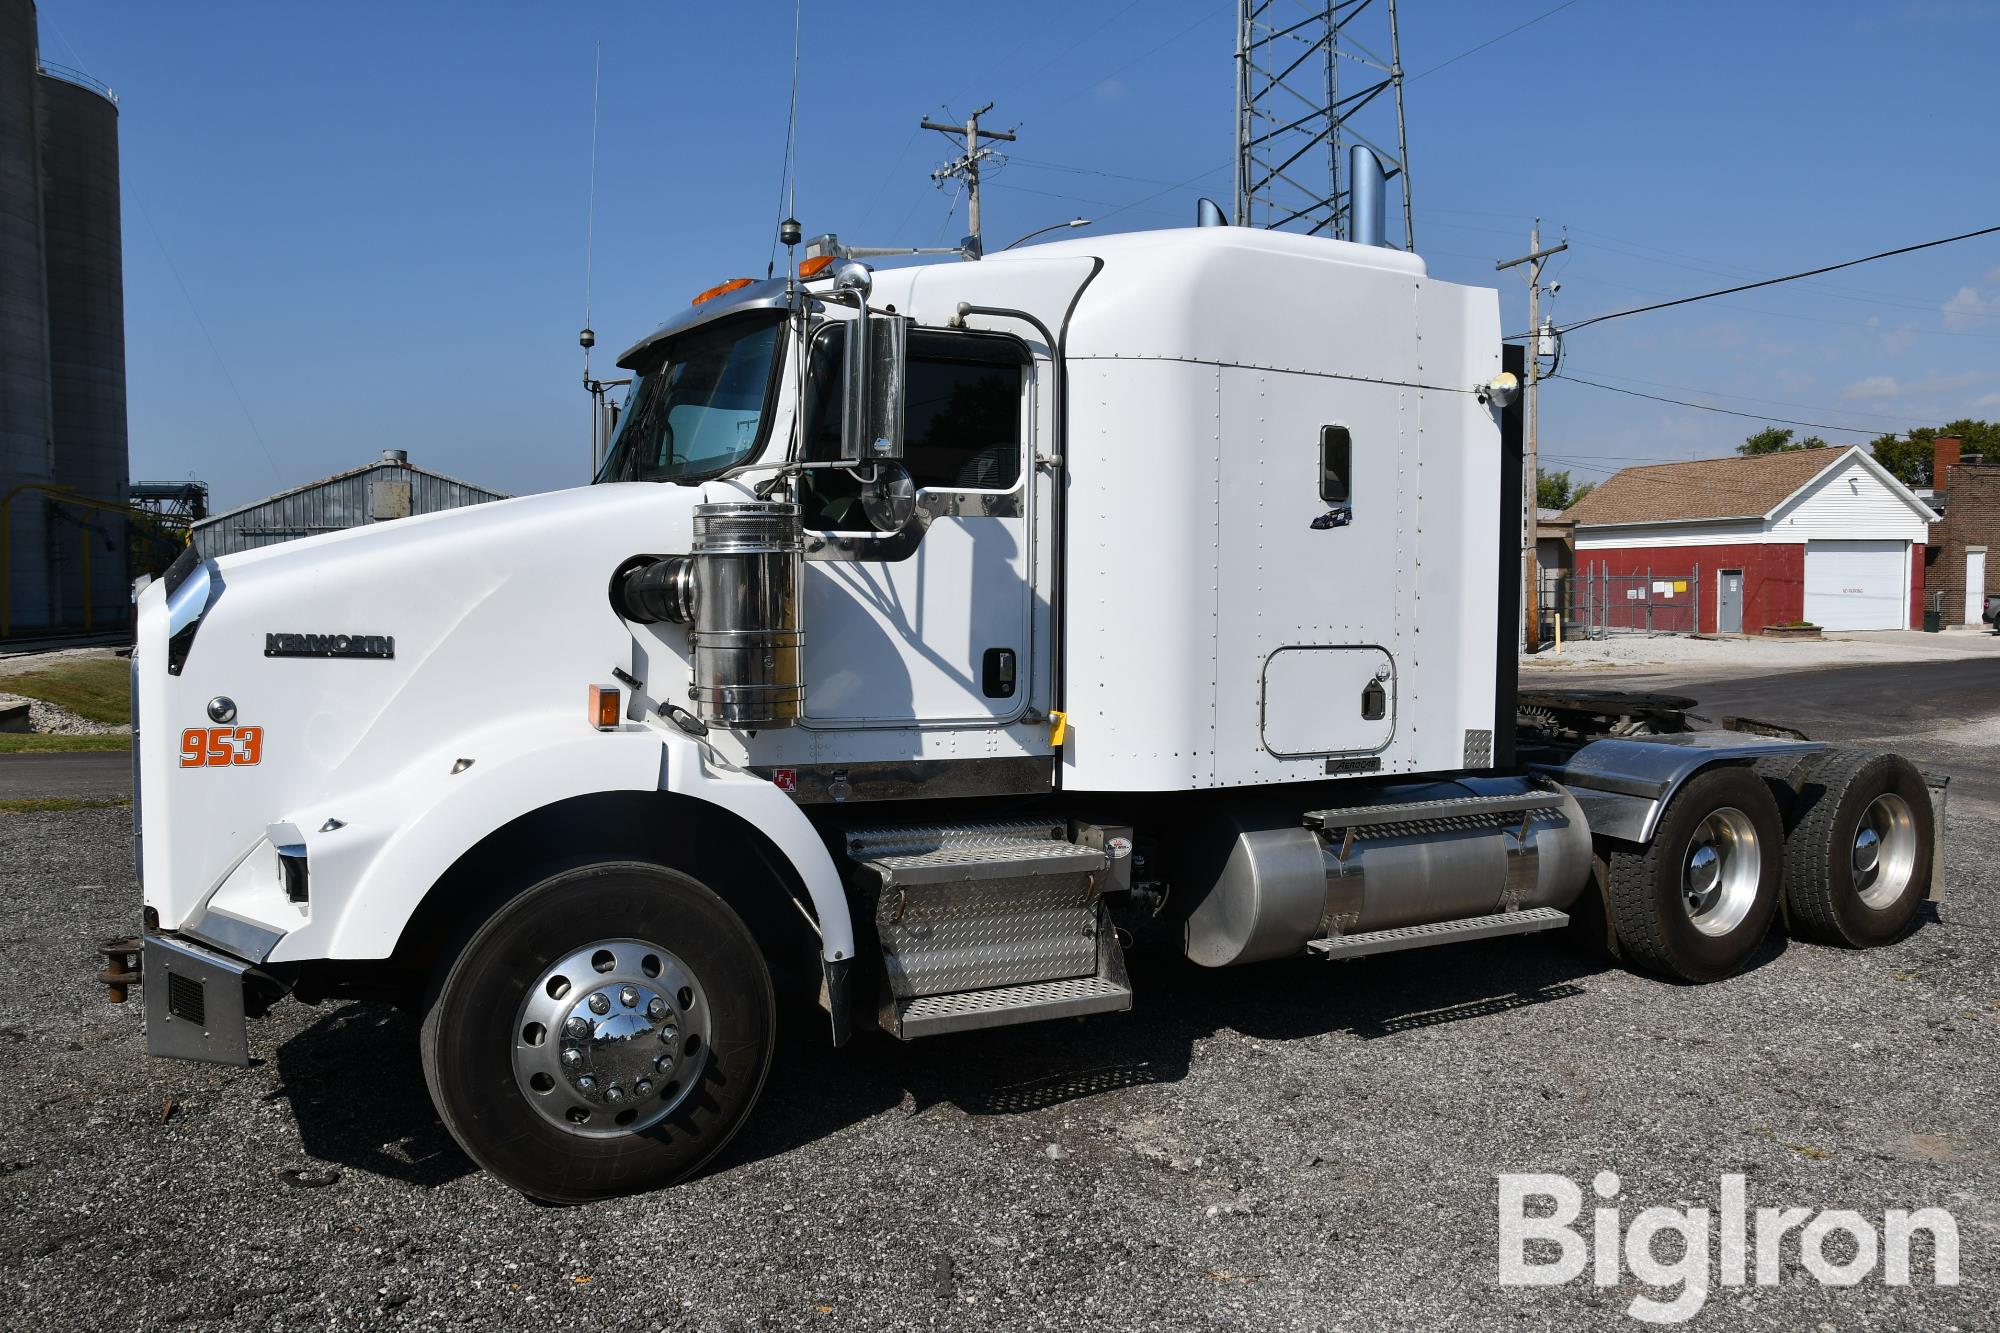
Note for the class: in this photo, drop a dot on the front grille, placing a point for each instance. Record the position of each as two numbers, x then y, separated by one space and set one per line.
185 999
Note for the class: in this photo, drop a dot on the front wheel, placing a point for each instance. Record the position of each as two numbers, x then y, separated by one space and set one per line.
1695 903
605 1032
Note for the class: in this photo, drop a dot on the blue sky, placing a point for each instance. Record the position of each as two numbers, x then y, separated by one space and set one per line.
356 226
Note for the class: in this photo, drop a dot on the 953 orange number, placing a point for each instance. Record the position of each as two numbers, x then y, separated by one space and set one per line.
221 747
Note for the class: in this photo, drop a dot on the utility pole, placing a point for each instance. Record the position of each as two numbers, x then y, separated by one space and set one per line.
1531 569
966 164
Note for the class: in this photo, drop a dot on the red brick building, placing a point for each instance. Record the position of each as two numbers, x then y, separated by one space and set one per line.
1967 488
1821 535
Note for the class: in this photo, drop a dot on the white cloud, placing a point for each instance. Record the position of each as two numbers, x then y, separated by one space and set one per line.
1875 386
1110 90
1987 400
1969 310
1888 386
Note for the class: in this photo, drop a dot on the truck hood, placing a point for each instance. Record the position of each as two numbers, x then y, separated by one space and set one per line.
367 656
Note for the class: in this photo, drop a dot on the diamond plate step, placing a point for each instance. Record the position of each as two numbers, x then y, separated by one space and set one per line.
1002 1005
1418 812
1524 922
1007 860
979 905
865 844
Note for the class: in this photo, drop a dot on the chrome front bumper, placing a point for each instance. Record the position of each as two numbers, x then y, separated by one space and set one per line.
195 1006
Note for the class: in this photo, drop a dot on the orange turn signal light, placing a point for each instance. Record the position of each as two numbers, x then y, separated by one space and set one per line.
604 710
812 268
722 289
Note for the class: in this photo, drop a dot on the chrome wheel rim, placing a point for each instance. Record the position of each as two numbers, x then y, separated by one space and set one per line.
1884 853
610 1038
1721 871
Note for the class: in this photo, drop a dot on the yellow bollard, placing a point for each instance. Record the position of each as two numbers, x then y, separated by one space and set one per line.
1559 634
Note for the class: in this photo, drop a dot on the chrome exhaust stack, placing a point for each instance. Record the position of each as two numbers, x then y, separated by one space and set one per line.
738 590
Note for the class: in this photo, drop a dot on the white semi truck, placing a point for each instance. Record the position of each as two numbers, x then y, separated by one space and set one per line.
932 634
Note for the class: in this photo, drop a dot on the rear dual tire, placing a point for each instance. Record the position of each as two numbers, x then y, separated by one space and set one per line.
1697 901
1858 858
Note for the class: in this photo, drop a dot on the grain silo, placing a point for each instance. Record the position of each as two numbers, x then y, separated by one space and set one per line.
82 248
63 447
27 443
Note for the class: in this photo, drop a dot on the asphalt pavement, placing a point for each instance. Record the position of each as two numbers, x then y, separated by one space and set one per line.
1944 714
87 774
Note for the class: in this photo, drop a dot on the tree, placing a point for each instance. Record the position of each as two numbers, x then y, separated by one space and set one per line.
1908 456
1554 490
1771 440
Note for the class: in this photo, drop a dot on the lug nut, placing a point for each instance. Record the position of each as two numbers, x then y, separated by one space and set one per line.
670 1034
585 1083
571 1057
576 1027
614 1093
627 996
664 1063
642 1087
656 1008
599 1004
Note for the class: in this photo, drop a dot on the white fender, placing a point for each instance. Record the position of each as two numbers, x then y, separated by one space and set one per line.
374 857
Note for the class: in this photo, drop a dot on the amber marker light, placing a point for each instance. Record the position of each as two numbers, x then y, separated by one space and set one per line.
812 268
722 289
604 711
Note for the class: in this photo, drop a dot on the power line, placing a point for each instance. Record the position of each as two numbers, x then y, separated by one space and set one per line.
1726 411
1752 398
1474 50
1772 282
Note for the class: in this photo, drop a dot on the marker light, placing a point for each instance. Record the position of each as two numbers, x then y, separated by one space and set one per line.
604 710
722 290
812 268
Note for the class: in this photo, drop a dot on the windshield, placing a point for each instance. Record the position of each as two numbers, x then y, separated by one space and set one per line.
700 410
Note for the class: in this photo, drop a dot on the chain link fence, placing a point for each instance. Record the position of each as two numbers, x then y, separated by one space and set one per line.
1596 603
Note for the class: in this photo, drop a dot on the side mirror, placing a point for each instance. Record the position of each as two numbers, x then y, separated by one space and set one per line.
875 369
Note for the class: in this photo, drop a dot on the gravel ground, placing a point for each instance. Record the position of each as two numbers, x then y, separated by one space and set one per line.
1295 1145
1708 658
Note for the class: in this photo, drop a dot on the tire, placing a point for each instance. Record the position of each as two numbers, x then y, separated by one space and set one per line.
1839 890
1696 902
663 1075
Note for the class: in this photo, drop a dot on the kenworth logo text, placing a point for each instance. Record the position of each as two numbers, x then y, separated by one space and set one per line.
329 645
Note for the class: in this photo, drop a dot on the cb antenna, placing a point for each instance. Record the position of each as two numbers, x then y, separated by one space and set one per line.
603 419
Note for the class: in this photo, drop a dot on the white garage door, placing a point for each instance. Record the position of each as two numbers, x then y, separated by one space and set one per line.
1857 585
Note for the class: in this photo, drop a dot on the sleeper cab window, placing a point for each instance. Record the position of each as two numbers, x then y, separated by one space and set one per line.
961 421
1336 465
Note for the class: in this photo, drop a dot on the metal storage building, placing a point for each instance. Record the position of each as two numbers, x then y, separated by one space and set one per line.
389 488
1822 535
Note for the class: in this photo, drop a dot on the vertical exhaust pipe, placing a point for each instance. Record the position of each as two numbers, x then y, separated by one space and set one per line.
1365 190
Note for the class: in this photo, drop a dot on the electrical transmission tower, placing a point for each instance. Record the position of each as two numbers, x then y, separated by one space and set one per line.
1313 80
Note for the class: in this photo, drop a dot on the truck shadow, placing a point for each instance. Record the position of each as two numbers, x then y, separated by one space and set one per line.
815 1091
355 1113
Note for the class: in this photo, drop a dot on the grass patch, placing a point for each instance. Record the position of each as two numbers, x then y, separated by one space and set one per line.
12 742
99 688
54 804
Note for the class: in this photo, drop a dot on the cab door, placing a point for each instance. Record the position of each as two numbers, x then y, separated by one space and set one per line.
932 625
